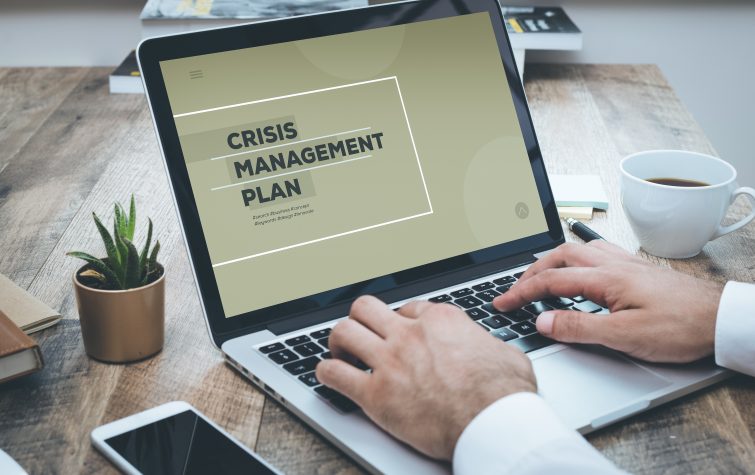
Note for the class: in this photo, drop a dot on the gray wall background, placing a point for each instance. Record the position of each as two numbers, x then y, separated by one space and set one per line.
704 48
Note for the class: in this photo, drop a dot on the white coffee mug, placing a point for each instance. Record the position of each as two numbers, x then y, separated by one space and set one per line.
676 221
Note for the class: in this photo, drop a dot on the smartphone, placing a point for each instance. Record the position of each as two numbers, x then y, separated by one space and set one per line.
175 439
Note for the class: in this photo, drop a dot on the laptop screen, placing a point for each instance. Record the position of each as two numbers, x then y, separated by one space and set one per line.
323 162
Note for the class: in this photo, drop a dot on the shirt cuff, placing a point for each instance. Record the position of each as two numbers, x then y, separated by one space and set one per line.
735 328
505 436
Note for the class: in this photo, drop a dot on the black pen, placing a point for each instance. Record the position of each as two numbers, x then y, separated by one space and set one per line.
582 231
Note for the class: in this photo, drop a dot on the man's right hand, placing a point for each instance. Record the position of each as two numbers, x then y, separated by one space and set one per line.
657 314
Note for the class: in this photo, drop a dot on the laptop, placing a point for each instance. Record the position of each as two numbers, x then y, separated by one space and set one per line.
385 150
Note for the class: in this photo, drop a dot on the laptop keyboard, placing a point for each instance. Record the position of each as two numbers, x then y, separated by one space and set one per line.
300 354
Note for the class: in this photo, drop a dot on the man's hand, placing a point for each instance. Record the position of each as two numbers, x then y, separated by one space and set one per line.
433 370
657 314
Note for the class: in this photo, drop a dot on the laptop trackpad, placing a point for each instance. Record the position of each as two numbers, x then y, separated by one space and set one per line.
582 384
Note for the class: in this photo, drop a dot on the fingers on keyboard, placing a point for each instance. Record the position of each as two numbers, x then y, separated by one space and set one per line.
299 355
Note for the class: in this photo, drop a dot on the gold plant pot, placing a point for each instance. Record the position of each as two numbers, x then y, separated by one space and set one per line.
120 326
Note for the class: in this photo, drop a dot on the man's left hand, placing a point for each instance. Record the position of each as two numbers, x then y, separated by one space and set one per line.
433 370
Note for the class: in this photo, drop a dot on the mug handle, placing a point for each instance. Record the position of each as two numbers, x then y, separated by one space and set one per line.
749 193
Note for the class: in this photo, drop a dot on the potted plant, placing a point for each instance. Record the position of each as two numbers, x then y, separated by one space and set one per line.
121 297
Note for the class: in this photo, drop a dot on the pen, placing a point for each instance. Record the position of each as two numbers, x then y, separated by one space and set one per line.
582 231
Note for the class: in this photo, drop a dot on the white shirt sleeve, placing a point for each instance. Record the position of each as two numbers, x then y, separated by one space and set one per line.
521 434
735 328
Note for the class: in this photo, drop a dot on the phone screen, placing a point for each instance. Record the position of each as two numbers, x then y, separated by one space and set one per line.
184 444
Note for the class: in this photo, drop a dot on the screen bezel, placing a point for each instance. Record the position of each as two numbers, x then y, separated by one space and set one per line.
154 50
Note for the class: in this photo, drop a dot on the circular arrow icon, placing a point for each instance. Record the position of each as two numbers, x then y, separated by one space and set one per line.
522 210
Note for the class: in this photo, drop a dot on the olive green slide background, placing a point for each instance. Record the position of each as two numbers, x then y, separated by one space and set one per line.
384 186
460 114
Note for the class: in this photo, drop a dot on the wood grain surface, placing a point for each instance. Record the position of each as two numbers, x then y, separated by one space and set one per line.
68 148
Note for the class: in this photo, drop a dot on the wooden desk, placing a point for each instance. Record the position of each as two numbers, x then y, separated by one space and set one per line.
68 148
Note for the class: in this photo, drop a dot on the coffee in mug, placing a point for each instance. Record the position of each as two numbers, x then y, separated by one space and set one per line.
677 182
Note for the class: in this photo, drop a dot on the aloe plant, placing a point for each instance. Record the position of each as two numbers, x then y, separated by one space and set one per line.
124 267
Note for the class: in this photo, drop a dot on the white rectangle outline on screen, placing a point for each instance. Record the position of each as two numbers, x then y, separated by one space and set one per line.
414 147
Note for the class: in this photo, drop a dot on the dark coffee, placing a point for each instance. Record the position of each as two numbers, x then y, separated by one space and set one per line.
677 182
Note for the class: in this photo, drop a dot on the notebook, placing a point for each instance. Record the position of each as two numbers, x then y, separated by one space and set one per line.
23 309
19 354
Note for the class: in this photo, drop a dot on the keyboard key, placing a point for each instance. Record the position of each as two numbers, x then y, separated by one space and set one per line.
532 342
504 334
344 404
461 293
578 299
302 366
468 302
587 306
518 315
487 295
503 289
271 347
537 308
488 307
324 342
558 302
297 340
337 399
492 322
483 286
504 280
308 349
283 356
326 392
496 321
518 274
477 313
524 328
326 355
440 298
309 379
324 333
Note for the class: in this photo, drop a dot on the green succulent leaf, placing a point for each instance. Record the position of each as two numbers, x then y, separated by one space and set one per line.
117 218
120 220
145 252
99 266
124 267
113 259
131 278
153 256
122 251
131 223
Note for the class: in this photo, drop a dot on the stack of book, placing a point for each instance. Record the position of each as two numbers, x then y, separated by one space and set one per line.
548 28
540 28
530 28
126 79
166 17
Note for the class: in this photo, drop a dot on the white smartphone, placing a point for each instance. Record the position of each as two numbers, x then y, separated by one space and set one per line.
176 439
